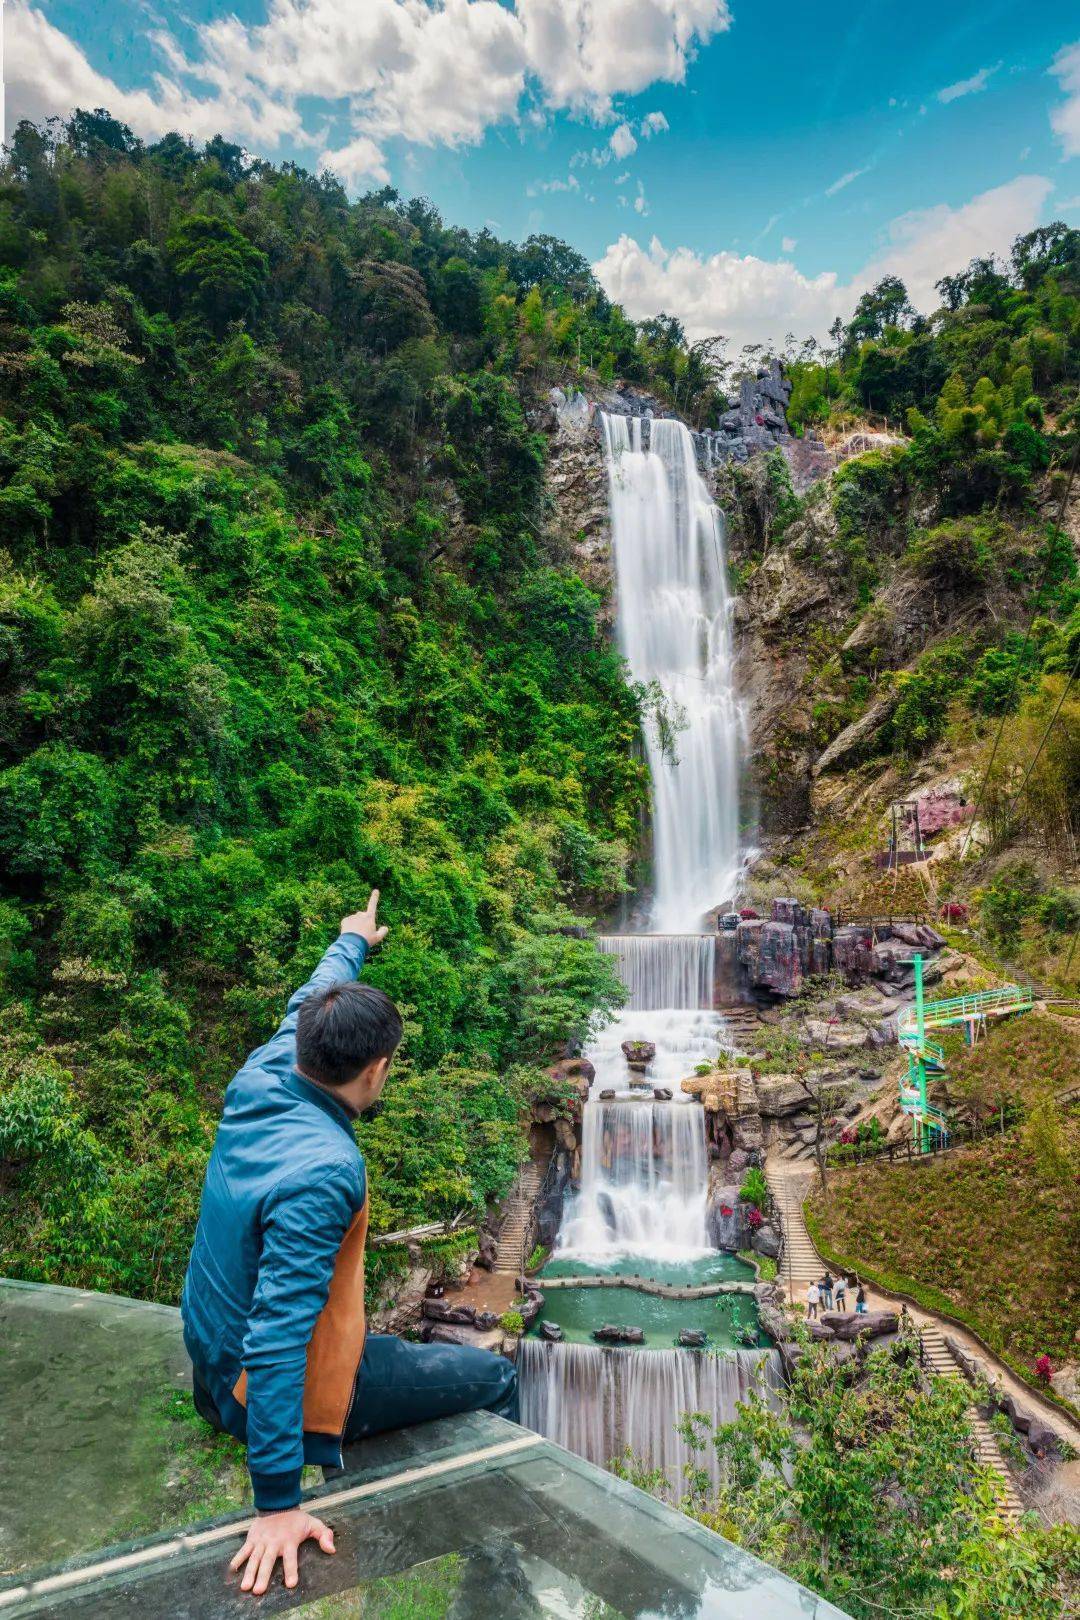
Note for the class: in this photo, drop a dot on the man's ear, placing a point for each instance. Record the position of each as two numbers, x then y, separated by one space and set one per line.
376 1074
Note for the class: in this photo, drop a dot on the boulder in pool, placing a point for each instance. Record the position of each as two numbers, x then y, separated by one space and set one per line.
611 1333
551 1332
693 1339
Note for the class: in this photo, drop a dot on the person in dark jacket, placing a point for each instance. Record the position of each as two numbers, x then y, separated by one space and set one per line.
273 1301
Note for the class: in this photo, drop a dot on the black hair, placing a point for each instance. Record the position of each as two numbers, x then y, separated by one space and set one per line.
342 1029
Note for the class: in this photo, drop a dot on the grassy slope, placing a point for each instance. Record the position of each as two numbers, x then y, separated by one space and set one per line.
982 1228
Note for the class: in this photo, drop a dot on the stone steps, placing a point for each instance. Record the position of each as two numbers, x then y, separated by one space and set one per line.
801 1264
511 1252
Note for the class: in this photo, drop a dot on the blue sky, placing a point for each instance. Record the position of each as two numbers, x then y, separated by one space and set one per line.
750 167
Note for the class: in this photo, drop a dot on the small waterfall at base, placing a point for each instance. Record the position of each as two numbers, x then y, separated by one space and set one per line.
673 971
673 610
597 1402
644 1173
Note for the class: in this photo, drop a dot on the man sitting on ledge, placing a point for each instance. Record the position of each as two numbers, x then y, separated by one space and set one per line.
273 1302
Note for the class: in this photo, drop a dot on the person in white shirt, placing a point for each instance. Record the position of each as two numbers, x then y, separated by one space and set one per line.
813 1294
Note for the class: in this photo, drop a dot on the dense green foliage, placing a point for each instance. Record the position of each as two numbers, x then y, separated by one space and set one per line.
279 621
863 1486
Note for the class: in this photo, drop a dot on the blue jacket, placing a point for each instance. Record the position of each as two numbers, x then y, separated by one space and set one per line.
284 1185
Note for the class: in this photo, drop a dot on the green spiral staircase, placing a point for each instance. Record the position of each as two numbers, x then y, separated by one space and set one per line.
926 1057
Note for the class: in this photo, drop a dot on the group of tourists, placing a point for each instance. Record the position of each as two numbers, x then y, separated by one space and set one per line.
831 1294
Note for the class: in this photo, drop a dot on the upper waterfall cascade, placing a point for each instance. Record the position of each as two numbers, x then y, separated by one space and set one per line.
673 625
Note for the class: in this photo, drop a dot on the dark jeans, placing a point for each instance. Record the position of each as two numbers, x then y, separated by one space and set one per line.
401 1383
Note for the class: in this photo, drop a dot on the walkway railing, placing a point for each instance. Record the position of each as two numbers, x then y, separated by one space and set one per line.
962 1009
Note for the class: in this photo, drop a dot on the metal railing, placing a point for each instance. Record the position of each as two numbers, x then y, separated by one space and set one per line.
958 1009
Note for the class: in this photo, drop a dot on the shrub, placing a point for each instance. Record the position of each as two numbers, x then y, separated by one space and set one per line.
512 1322
958 553
755 1189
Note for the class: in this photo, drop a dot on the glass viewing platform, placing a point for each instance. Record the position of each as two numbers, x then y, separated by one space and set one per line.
468 1518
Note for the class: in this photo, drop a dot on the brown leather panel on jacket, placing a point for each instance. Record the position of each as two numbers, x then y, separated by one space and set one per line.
336 1345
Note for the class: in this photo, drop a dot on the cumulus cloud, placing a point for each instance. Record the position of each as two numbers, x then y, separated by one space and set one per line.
641 205
1065 120
438 73
47 73
654 123
928 243
788 244
750 299
845 180
584 52
968 87
623 142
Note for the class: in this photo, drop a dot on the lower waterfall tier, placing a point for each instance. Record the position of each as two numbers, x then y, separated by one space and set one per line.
598 1403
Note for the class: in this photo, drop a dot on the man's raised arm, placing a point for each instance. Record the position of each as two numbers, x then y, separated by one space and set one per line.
360 931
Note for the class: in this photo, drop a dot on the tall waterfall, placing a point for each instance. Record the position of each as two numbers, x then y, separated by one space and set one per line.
664 970
597 1402
643 1182
673 612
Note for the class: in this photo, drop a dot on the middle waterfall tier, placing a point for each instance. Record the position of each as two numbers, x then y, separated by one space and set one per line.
643 1183
673 971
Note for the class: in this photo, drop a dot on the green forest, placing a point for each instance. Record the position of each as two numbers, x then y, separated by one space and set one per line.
279 621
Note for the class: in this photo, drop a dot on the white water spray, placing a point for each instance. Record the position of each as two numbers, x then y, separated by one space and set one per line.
673 612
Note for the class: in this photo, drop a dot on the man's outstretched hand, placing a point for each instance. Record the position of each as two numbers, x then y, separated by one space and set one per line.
279 1535
364 924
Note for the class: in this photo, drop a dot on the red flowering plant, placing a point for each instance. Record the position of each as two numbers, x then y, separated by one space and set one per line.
748 914
726 1209
754 1218
954 911
1043 1369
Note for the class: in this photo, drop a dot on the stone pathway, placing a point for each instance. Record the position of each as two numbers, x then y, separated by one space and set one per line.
648 1285
800 1264
514 1232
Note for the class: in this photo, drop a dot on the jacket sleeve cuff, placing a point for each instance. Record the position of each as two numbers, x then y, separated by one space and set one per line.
276 1493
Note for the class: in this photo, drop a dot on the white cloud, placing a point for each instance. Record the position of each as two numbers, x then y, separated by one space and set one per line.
788 244
968 87
654 123
1065 120
758 300
359 162
428 72
928 243
621 179
47 73
845 180
586 51
571 183
623 142
640 204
